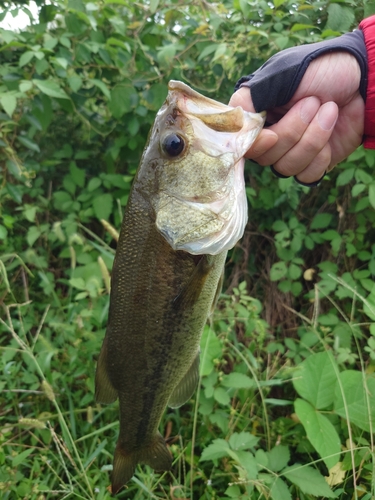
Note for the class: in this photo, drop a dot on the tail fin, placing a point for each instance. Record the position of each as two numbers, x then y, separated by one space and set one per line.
156 455
124 465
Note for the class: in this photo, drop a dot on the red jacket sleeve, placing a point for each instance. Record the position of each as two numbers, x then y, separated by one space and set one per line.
368 28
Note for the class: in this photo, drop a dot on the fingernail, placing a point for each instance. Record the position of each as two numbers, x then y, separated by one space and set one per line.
327 115
309 108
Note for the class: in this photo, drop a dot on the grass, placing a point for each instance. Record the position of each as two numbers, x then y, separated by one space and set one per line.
240 437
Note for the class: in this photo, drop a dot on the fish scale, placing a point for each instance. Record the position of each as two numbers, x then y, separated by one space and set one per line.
161 296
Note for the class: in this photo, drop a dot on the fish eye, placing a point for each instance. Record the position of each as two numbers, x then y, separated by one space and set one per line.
173 144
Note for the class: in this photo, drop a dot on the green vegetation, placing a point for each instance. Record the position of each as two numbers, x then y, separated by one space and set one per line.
288 384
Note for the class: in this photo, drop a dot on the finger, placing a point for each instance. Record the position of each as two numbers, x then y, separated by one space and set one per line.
265 141
317 168
314 139
242 98
290 129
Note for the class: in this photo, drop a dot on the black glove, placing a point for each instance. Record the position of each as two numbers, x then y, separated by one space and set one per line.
275 83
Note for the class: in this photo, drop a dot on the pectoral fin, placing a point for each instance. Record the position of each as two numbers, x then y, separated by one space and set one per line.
218 291
186 387
190 293
104 391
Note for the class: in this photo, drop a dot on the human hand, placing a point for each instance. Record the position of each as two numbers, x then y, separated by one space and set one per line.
319 127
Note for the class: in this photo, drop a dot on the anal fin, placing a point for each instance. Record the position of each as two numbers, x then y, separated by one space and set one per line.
104 391
186 387
157 455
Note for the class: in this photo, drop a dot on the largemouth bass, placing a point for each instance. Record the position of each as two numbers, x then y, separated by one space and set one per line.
187 207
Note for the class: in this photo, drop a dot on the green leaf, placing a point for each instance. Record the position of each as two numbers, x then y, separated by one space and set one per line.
238 381
94 184
233 491
294 271
315 379
25 86
211 349
209 49
220 51
221 396
78 283
166 54
157 95
278 271
102 86
242 441
309 480
44 113
30 212
345 177
247 461
362 204
279 225
32 235
26 58
75 82
340 18
278 458
369 8
279 490
14 192
371 194
320 432
355 398
77 174
51 89
133 126
299 27
281 42
62 62
21 457
330 234
28 143
3 232
219 448
9 103
154 4
102 206
50 42
121 100
285 286
320 221
363 176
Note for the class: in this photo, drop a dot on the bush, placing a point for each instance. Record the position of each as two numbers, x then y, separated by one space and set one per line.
287 378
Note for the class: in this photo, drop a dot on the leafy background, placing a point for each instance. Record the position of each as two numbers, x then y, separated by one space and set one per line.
285 408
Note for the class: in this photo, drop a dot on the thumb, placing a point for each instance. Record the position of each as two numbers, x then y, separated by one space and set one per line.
242 98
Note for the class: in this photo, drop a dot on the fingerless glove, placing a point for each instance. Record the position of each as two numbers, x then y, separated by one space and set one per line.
275 83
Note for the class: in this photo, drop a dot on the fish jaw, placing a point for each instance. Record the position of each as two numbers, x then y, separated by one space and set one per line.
201 207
